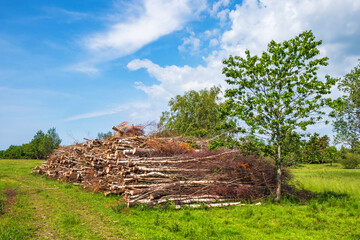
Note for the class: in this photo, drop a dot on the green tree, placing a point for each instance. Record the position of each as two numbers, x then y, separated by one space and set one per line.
40 147
14 152
50 142
102 135
279 91
194 114
291 148
332 154
315 149
347 124
33 148
251 145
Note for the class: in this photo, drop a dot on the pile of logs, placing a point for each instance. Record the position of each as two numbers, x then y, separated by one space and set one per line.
136 169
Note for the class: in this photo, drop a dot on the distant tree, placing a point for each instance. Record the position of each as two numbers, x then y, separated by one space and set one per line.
194 114
34 147
40 147
14 152
347 124
332 154
315 149
292 148
279 91
349 159
50 142
102 135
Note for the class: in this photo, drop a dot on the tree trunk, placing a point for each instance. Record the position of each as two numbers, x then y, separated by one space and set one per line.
278 173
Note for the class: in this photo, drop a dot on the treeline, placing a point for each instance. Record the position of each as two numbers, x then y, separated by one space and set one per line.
40 147
297 150
261 131
198 114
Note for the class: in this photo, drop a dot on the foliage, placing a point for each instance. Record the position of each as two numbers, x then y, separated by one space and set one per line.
332 154
314 150
350 160
102 135
278 91
40 147
251 145
347 124
13 152
227 142
195 114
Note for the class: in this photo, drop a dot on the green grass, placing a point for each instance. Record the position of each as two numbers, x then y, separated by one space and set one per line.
324 178
47 209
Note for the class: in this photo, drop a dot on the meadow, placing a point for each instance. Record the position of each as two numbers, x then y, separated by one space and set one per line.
35 207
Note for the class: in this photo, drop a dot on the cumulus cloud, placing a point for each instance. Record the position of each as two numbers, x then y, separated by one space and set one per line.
191 44
253 25
211 33
218 5
176 80
213 42
154 19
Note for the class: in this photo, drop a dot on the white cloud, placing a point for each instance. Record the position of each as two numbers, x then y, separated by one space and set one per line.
217 5
176 80
83 68
191 44
126 107
155 19
253 25
223 16
213 42
218 11
211 33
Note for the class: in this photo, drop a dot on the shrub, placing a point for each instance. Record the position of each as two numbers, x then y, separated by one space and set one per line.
350 160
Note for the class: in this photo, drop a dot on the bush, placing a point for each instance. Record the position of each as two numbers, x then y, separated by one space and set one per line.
350 160
40 147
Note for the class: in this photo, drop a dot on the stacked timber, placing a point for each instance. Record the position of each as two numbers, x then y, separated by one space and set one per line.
155 171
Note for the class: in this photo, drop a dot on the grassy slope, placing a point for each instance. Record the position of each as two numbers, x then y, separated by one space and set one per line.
47 209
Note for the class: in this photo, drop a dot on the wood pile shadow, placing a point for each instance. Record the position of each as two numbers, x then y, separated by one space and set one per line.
158 170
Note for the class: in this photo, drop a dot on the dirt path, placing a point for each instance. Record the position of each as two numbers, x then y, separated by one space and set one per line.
60 213
7 204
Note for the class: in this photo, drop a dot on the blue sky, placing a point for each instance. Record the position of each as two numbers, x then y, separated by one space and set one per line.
83 66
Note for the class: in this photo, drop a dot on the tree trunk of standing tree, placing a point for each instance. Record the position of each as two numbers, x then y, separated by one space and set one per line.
278 173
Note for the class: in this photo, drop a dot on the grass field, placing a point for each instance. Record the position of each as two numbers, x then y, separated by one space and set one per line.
34 207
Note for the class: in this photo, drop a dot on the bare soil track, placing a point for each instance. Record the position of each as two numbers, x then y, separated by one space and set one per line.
58 211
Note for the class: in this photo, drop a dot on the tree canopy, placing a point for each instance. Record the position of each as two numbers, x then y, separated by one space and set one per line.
278 91
316 149
40 147
194 114
347 124
102 135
